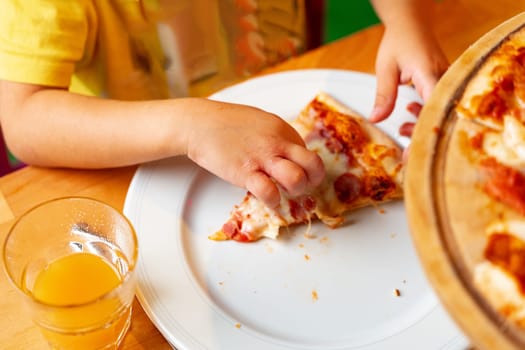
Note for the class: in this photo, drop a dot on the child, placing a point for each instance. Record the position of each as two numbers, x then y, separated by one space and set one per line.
53 54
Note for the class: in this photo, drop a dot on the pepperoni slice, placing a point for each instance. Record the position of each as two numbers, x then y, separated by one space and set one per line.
347 187
232 230
301 208
493 104
504 184
377 186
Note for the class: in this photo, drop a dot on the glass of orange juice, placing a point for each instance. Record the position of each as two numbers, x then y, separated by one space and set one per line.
74 260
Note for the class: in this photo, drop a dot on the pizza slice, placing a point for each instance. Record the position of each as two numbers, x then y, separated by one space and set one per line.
497 89
363 167
493 102
499 158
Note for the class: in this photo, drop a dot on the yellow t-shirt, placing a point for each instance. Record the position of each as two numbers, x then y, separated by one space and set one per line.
94 47
145 49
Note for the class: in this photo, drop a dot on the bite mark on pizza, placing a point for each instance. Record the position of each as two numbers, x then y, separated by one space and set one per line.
363 167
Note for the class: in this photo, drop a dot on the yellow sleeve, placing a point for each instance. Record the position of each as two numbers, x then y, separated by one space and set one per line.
41 41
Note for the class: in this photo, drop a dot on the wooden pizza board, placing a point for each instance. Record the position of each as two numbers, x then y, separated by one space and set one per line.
446 209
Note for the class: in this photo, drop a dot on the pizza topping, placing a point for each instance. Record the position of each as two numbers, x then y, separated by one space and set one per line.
375 153
520 56
519 83
301 208
506 83
347 132
232 229
508 146
378 186
333 144
505 184
492 104
251 220
508 252
347 187
505 89
514 136
476 141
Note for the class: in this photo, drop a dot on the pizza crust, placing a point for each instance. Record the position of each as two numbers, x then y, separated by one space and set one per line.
463 195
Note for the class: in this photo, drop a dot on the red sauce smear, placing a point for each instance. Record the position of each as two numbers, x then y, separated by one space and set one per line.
508 252
505 184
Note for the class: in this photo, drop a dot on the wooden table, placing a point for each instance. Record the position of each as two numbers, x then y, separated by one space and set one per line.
458 23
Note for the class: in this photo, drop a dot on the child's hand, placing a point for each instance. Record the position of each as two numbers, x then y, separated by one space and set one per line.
406 55
249 147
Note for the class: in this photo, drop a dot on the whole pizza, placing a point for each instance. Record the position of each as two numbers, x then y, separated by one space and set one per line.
465 188
490 144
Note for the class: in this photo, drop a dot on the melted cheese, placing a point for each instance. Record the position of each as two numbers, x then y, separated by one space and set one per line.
501 290
336 164
259 220
514 136
508 147
496 283
517 227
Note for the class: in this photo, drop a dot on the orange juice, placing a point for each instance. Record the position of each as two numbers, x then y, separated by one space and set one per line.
74 260
82 279
75 279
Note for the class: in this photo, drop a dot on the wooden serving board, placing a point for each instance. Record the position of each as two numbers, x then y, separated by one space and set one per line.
446 225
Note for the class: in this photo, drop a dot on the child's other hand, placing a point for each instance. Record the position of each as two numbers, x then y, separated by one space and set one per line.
252 148
406 56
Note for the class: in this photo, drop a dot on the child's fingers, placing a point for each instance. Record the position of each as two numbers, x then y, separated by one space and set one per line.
262 187
424 84
386 92
406 129
288 174
414 108
309 161
301 169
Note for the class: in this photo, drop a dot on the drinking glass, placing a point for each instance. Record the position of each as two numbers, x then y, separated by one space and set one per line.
74 259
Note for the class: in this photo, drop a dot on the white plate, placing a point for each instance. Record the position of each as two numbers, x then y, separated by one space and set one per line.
203 294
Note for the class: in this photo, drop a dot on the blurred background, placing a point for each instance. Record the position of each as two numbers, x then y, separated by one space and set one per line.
239 38
343 17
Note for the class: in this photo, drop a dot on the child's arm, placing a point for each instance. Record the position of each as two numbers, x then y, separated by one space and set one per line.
409 52
241 144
